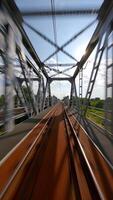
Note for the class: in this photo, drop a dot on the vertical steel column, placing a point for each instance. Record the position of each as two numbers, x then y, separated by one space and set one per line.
44 96
38 96
80 89
30 81
20 95
9 77
49 94
22 64
42 93
73 95
97 61
109 87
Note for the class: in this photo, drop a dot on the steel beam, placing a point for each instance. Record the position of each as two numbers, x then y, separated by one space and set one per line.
61 79
30 93
49 41
9 77
104 17
60 64
27 79
73 95
30 64
20 94
70 40
17 18
64 12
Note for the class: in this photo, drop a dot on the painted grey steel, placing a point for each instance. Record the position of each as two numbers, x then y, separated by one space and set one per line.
49 41
40 95
80 90
61 79
108 122
57 71
49 94
44 96
9 77
60 64
73 96
75 36
47 99
21 95
17 18
30 64
99 52
30 93
69 12
105 17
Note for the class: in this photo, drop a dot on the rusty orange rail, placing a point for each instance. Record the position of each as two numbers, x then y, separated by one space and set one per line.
100 168
13 166
57 161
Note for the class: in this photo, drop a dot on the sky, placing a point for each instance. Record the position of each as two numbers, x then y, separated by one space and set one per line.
66 27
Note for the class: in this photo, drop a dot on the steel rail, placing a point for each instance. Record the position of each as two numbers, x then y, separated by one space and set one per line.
89 138
71 160
14 171
104 174
92 184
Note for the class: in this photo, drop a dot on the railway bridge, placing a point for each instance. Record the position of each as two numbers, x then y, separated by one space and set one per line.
56 108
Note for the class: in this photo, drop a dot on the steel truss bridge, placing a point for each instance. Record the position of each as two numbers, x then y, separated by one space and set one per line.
57 152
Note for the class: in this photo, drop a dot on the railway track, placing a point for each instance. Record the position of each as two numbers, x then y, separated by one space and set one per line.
13 166
100 168
85 184
56 161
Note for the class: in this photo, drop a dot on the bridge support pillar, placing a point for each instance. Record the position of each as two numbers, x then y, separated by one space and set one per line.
9 77
40 94
47 100
32 100
73 94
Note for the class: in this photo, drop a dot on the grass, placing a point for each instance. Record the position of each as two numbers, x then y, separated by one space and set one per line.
2 131
97 116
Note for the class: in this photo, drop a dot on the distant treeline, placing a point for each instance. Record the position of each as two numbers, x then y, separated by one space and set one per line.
94 102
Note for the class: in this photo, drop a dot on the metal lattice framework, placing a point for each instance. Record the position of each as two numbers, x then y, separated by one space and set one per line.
17 41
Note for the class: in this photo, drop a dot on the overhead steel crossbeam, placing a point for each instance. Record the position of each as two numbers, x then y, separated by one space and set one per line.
54 26
57 71
70 40
60 64
61 79
50 42
64 12
27 79
65 70
10 5
64 45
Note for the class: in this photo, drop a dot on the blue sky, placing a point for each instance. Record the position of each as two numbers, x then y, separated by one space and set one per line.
66 28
